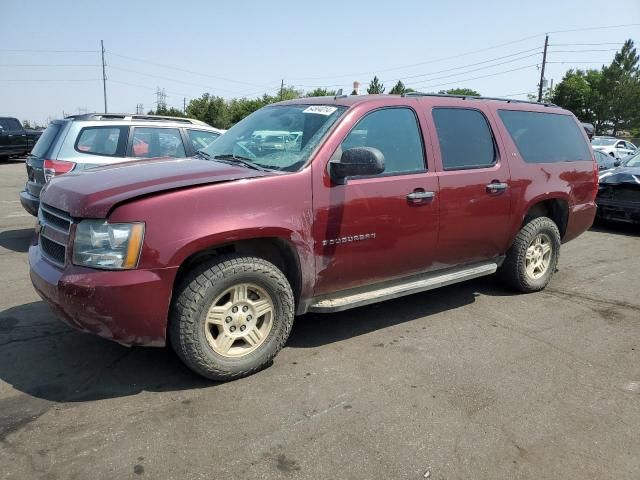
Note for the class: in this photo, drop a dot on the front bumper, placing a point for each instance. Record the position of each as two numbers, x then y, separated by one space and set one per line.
619 210
30 202
130 307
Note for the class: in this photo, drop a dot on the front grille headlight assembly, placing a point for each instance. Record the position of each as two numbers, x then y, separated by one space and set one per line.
110 246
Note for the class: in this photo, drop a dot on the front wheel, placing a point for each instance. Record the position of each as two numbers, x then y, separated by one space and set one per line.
231 317
532 259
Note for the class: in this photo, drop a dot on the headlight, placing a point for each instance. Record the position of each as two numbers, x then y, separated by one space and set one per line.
112 246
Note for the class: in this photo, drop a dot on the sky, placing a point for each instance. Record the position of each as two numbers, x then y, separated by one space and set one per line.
50 61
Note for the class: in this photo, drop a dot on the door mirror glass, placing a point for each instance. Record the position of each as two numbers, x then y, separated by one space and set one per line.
357 161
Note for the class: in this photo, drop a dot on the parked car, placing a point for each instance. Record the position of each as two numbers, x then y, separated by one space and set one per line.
613 146
217 254
619 192
605 161
85 141
15 140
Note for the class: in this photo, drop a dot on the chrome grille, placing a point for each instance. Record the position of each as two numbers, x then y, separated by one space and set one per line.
55 228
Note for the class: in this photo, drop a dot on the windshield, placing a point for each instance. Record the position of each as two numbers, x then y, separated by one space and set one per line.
279 137
632 161
603 141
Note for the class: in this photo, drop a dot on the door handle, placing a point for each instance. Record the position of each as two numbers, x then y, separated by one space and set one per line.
496 187
420 196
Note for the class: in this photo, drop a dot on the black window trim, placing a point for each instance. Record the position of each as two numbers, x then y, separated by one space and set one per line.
181 133
122 142
391 174
497 157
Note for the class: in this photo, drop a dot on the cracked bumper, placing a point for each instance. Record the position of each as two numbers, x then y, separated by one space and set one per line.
130 307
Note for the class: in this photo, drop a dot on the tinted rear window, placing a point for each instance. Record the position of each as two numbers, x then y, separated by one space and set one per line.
465 138
546 137
46 140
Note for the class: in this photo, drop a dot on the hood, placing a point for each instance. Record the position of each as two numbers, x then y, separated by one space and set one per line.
601 147
618 175
93 193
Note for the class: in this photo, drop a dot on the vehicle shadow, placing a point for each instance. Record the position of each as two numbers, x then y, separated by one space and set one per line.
42 357
616 228
313 330
17 240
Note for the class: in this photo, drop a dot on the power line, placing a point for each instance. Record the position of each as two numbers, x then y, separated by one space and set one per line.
50 65
172 67
586 29
477 78
50 79
584 51
29 50
583 44
473 70
161 77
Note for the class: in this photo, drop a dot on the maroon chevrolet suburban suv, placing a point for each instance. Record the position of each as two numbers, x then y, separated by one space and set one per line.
312 205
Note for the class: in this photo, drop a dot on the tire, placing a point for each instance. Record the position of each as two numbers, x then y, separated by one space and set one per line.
514 272
221 351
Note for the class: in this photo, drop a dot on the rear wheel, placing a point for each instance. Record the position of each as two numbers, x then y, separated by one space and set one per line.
231 317
532 259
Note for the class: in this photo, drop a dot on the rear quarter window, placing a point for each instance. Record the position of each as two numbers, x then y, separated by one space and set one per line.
546 137
46 140
107 141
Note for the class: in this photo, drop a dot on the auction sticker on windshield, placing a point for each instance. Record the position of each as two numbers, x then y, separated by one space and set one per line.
320 109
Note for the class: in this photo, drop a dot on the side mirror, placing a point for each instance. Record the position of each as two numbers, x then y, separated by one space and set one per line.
356 161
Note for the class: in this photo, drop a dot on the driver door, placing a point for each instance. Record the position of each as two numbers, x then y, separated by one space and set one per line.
375 228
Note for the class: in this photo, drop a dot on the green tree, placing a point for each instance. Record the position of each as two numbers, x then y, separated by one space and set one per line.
609 98
26 124
210 109
398 89
460 91
171 112
321 92
621 81
375 87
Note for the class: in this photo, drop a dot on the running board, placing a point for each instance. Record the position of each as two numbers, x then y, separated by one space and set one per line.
398 288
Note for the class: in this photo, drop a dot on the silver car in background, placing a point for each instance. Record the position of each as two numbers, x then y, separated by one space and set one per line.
78 142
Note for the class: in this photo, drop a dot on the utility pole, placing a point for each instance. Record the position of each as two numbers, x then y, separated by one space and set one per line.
184 105
282 89
104 77
544 63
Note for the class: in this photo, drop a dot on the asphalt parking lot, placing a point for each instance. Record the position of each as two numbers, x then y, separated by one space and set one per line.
465 382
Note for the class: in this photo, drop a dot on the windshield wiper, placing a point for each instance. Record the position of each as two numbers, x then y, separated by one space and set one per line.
203 154
241 161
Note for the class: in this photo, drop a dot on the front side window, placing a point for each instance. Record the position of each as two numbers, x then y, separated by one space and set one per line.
278 137
393 131
465 138
201 138
546 137
109 141
151 142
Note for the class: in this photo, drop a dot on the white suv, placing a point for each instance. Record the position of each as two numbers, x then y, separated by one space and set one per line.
613 146
84 141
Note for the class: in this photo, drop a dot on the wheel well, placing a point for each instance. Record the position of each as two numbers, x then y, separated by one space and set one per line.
556 209
277 251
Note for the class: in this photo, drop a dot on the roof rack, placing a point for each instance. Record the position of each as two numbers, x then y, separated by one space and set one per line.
129 117
473 97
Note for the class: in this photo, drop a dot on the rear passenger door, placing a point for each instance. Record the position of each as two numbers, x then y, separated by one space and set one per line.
155 142
475 199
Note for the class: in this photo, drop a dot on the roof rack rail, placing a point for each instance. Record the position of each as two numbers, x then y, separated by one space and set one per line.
130 116
473 97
